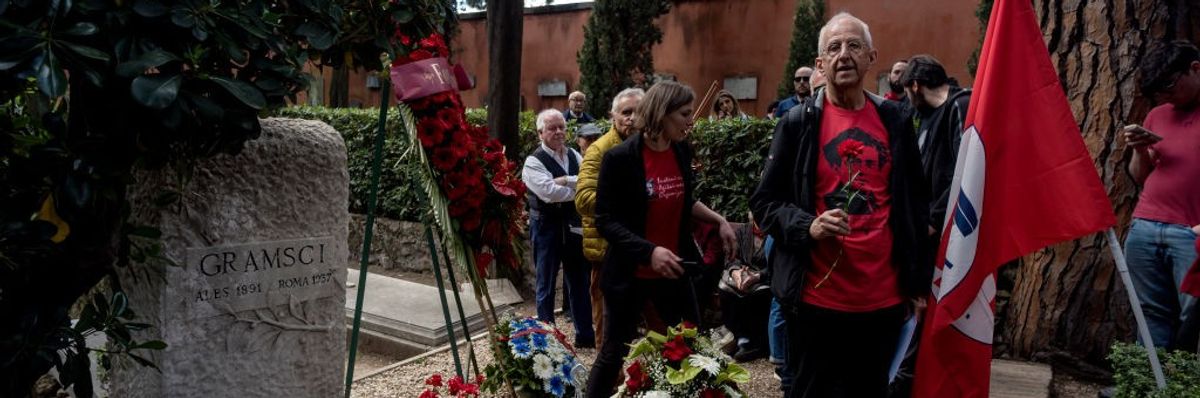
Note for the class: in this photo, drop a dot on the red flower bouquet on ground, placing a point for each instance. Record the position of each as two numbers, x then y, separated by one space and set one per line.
455 387
681 364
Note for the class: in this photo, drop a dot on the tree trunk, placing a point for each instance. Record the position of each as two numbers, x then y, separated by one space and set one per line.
1068 301
504 25
339 87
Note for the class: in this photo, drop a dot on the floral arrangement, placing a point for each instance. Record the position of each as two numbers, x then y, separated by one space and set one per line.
851 153
484 196
540 361
455 387
681 364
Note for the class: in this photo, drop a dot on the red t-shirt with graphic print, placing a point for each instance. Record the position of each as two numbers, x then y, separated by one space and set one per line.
664 188
854 144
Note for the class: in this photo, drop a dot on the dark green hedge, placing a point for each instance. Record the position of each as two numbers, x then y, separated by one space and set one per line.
1132 374
400 195
731 153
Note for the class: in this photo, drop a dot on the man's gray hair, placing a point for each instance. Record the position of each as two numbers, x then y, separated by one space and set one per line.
626 93
838 18
544 115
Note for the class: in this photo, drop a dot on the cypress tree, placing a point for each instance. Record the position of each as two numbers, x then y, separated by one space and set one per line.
617 41
810 16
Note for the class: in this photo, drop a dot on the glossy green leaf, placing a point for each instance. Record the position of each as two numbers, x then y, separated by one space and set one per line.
119 303
50 79
149 8
319 36
86 51
244 92
183 17
152 59
81 29
156 91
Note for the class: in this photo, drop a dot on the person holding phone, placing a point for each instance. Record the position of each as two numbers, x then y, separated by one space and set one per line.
645 206
1159 245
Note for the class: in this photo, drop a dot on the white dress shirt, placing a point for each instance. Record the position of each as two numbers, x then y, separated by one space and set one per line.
541 183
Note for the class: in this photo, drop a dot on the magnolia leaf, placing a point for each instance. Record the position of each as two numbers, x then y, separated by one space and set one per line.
50 79
685 373
81 29
245 92
156 91
150 59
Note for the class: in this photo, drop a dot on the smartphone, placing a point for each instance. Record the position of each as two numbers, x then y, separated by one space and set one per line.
690 268
1136 129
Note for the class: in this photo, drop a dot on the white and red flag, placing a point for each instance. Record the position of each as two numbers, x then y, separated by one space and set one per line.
1024 180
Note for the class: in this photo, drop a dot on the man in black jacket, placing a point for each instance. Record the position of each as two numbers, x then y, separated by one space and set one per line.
940 109
843 196
940 112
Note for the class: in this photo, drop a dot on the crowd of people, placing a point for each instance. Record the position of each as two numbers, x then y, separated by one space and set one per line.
845 221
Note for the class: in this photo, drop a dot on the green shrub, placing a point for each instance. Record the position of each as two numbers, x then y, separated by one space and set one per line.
1131 372
528 123
731 153
400 196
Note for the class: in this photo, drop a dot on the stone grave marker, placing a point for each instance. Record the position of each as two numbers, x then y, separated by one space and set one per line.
253 306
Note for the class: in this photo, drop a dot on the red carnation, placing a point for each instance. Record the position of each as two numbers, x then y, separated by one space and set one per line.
472 219
850 149
637 378
712 393
450 116
429 394
431 132
420 55
479 379
444 158
676 349
435 380
456 385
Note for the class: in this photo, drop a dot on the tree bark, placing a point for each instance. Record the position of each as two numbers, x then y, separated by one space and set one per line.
339 87
504 25
1068 301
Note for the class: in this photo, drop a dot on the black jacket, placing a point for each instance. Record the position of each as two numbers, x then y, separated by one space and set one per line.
621 206
944 128
784 204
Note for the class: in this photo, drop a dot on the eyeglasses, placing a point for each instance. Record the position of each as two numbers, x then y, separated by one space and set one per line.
1171 86
798 79
855 47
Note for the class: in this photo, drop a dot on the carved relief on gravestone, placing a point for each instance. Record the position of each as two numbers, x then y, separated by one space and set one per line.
254 303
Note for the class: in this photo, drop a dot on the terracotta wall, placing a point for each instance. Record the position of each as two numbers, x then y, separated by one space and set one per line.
706 40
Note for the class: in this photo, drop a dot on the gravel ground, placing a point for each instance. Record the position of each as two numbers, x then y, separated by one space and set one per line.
408 380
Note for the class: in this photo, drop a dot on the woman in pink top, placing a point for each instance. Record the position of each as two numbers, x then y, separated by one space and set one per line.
1159 246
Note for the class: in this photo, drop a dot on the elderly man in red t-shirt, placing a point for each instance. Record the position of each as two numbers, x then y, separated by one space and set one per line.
1159 244
844 197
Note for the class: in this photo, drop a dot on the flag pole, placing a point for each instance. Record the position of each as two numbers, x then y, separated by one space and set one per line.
1143 330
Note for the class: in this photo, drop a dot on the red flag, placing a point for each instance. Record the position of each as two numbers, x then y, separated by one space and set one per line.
1024 180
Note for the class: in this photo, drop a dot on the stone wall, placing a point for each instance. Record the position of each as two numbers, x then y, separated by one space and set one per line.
396 246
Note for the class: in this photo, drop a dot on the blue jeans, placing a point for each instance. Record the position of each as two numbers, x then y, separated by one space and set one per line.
1159 255
554 244
777 338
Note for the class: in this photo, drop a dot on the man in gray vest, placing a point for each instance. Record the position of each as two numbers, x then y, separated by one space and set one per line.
554 226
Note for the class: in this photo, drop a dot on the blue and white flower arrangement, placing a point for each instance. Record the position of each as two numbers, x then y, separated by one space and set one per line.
536 359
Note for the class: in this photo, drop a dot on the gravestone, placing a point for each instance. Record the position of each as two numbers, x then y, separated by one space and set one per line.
253 304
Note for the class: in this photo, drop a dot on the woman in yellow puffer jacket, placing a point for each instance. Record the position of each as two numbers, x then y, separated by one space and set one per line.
621 116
